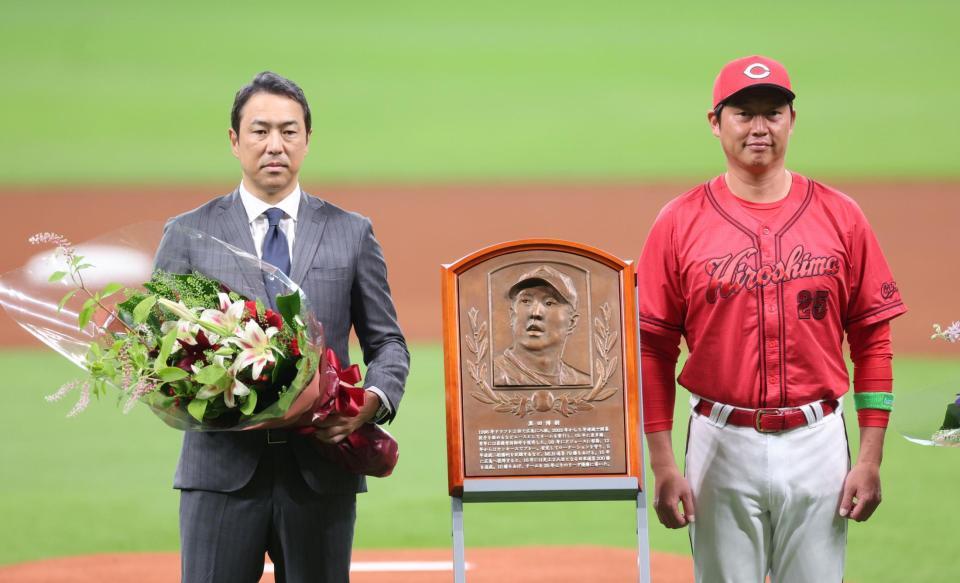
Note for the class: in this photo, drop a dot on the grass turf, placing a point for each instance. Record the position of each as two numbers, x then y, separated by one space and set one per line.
110 91
101 483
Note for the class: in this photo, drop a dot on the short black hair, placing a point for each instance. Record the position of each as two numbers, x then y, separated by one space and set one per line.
268 82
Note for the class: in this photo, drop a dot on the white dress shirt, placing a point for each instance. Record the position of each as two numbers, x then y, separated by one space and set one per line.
259 225
256 208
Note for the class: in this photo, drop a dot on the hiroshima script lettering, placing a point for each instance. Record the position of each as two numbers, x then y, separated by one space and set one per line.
731 273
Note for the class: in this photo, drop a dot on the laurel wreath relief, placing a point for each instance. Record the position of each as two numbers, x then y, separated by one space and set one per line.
542 401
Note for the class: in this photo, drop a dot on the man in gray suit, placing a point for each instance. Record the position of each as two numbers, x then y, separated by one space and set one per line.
244 493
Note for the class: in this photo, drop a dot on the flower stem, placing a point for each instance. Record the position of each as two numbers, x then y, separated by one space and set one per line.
78 281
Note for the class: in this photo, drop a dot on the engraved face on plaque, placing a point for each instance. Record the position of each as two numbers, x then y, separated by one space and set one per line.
543 310
542 373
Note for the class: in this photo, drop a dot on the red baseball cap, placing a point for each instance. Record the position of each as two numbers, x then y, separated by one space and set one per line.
755 71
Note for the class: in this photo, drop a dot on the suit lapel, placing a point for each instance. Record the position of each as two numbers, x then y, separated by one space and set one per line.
235 230
311 220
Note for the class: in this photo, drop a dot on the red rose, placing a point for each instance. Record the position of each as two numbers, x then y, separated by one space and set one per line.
295 347
251 308
274 319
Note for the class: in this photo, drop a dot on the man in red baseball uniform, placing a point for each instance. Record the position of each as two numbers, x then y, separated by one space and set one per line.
763 271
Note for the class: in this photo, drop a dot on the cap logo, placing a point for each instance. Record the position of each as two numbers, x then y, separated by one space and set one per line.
757 71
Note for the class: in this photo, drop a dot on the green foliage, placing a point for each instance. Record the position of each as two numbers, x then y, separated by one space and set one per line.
287 374
283 371
128 364
289 307
210 375
76 263
192 289
66 298
169 374
197 408
109 290
143 308
250 403
86 313
166 346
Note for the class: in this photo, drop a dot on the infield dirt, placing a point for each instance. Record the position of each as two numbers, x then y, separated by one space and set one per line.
486 565
421 227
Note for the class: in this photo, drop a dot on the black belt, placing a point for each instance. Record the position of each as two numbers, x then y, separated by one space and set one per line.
278 436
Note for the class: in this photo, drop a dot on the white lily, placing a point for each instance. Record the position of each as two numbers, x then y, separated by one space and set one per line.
179 309
186 331
255 349
226 320
236 388
225 302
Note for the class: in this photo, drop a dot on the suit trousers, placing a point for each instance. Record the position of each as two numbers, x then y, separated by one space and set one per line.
308 536
766 503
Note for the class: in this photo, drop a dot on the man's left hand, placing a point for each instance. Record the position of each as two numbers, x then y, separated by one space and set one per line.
861 492
336 428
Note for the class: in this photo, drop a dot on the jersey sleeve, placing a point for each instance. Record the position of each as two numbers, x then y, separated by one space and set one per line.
659 293
872 356
661 304
874 296
658 370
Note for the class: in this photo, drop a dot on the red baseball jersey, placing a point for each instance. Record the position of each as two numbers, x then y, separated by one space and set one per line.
763 299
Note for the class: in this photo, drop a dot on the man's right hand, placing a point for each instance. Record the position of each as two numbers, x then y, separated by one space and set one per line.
671 489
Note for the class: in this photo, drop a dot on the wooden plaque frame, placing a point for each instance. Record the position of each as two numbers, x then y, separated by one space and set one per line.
541 486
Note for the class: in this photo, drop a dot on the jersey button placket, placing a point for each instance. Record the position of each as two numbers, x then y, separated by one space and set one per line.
771 325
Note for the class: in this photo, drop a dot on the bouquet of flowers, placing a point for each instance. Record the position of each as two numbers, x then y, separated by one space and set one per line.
200 355
949 432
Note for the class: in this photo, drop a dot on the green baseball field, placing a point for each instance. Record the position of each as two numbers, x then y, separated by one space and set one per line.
456 127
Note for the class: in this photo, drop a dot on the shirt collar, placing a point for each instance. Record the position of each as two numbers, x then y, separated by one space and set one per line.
255 207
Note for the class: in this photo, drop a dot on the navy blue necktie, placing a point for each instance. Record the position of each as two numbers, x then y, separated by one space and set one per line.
275 251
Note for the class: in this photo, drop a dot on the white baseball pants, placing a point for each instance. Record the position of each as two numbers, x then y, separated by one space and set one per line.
766 503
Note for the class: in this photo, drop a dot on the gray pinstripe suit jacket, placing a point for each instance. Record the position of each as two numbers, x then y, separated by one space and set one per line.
339 265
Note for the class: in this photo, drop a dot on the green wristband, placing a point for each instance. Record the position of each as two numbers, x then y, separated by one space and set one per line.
879 400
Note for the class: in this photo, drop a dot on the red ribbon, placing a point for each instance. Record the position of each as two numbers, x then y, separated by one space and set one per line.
369 450
349 398
343 398
350 376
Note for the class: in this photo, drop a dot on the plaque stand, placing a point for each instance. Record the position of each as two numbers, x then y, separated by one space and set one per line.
550 490
520 430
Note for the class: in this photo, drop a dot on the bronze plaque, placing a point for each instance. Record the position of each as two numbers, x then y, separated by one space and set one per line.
543 382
